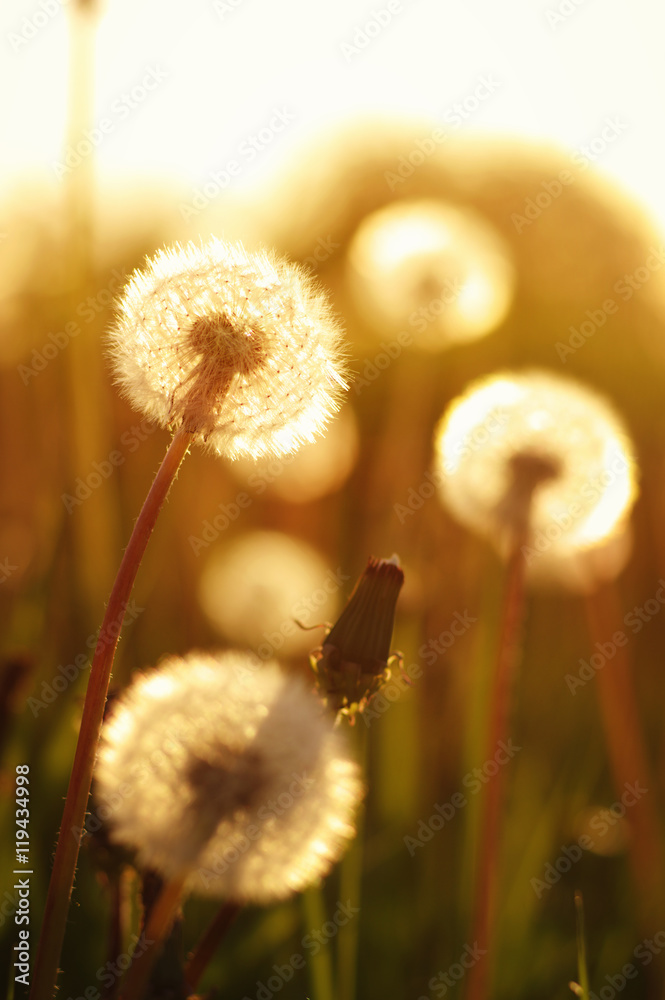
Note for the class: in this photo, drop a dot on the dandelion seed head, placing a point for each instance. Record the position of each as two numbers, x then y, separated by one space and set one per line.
239 349
439 269
531 452
227 768
254 588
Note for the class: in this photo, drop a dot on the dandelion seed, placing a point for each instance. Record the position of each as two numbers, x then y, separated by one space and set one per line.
239 349
228 769
536 456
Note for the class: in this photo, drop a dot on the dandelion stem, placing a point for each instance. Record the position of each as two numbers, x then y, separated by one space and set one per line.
157 927
350 889
208 944
582 973
492 802
319 962
628 756
64 866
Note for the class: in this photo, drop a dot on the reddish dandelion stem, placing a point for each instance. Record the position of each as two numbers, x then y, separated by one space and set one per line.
64 866
628 756
492 802
157 927
208 944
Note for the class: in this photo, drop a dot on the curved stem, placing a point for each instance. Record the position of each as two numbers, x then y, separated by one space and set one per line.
207 945
64 866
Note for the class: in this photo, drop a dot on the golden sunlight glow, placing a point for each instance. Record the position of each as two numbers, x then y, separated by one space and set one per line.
437 270
254 589
314 471
577 516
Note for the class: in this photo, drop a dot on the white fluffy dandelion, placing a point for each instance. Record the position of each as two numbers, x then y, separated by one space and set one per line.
537 456
228 769
237 348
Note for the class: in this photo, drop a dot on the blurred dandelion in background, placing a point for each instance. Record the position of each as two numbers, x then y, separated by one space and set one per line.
254 589
538 446
437 268
208 747
314 471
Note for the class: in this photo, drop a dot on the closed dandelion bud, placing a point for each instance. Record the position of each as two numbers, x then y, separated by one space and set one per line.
227 769
237 348
533 459
352 663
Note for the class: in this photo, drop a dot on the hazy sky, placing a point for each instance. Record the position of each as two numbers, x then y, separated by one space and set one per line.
186 88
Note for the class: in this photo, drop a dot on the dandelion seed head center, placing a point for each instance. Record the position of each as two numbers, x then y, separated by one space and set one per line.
227 780
530 469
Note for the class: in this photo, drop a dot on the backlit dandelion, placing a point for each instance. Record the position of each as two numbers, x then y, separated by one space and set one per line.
438 270
546 459
237 348
228 770
255 589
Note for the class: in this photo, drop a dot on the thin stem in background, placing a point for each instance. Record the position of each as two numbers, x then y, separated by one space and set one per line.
320 962
204 950
493 793
73 819
582 974
350 888
157 927
628 756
